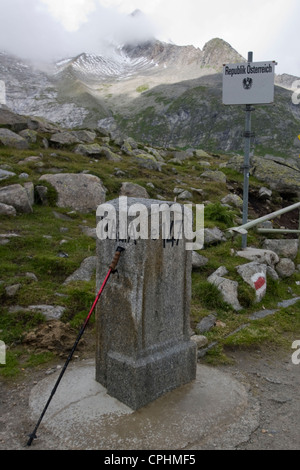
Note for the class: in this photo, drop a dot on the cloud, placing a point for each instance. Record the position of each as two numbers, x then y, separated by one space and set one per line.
50 30
28 31
71 13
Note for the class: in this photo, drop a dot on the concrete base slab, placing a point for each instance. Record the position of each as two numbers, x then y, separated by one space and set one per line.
214 411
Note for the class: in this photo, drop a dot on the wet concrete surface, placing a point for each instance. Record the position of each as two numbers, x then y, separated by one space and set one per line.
213 412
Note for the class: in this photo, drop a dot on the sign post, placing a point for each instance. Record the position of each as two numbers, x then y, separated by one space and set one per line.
247 136
249 83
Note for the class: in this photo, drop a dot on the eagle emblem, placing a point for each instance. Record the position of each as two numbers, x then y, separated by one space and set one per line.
247 83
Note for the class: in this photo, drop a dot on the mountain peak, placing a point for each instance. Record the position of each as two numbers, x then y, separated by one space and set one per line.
216 52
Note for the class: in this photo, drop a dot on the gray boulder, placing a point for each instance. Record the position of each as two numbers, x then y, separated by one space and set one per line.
284 248
11 139
97 151
50 312
272 273
89 150
16 195
147 161
268 257
233 200
255 274
213 236
217 176
265 193
228 288
7 210
85 136
81 192
110 155
133 190
65 138
11 291
30 135
84 272
285 268
198 260
185 195
280 174
200 340
4 174
12 121
206 323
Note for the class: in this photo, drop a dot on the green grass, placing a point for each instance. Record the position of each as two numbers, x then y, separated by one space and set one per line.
142 88
18 360
13 326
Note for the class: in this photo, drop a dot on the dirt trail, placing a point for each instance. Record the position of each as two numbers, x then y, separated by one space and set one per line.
271 377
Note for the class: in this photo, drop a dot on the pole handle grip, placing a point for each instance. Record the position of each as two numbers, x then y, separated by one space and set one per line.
116 259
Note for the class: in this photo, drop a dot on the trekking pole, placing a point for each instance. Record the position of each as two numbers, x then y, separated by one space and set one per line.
112 270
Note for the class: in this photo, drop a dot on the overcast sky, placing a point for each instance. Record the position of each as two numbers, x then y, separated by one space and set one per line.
57 28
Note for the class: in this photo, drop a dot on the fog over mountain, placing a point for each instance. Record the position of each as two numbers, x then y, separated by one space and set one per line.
113 73
28 31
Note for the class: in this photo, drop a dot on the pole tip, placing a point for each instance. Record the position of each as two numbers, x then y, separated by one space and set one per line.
31 439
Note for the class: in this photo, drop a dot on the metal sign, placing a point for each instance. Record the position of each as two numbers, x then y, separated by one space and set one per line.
249 83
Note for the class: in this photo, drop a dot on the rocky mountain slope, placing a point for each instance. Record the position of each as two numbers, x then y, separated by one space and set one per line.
156 92
51 183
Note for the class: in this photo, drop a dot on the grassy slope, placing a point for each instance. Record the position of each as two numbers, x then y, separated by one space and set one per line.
37 249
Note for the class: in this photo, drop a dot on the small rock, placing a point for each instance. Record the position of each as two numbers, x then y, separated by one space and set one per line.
85 272
227 287
133 190
233 200
284 248
217 176
4 174
272 273
198 261
206 323
31 276
255 274
185 195
285 268
11 291
265 193
30 135
7 210
147 161
260 256
50 312
178 190
213 236
201 341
